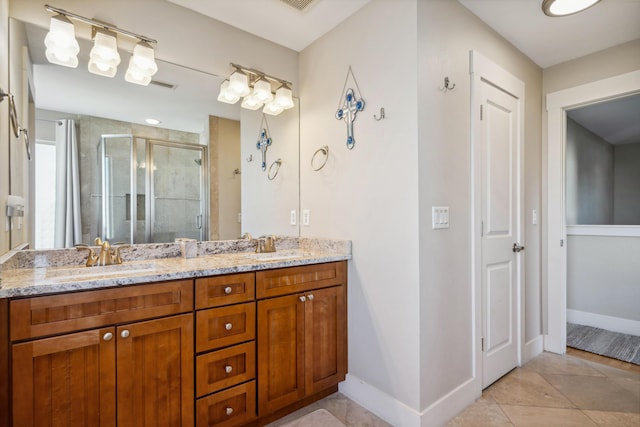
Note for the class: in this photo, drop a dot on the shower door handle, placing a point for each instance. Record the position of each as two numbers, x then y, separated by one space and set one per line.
198 222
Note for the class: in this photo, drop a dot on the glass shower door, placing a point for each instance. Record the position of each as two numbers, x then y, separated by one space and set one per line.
117 187
177 205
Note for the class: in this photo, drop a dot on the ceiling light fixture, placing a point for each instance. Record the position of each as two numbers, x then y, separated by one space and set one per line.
556 8
255 88
62 48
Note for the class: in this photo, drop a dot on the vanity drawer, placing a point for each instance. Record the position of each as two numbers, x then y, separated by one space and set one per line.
224 368
283 281
232 407
75 311
225 326
224 290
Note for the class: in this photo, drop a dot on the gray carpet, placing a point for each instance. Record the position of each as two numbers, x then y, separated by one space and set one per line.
605 343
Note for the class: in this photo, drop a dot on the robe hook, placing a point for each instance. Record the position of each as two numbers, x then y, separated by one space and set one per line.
448 85
381 115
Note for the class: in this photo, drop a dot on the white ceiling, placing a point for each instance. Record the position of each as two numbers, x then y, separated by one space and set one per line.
275 20
615 121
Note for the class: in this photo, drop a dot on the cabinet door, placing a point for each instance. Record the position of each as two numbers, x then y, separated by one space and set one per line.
68 380
325 338
280 352
155 372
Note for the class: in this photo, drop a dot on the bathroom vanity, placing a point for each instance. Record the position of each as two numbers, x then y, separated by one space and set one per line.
224 339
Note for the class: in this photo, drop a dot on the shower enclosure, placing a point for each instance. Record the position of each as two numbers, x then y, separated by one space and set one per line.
151 191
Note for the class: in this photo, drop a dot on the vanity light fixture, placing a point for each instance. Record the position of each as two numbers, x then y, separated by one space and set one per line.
104 57
255 88
61 43
62 47
153 121
142 65
556 8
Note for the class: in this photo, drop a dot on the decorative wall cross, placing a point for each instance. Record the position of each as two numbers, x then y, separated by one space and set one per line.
263 143
348 112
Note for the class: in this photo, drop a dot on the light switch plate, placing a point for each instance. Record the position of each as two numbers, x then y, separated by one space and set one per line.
294 220
439 217
306 217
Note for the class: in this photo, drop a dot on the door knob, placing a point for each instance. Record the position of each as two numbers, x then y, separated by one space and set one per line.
517 248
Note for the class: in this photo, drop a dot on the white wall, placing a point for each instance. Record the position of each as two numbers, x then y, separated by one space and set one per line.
370 194
626 184
447 32
603 275
589 177
410 287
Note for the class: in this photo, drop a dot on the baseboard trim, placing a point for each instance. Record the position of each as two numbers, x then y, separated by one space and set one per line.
380 403
398 414
610 323
533 348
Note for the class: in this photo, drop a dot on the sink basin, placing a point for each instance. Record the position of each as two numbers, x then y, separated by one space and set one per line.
80 273
275 256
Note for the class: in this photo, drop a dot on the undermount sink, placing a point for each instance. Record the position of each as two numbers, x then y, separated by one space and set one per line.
99 271
275 256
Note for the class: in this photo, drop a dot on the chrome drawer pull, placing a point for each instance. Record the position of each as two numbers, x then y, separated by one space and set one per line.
228 290
310 296
302 298
228 369
124 334
229 411
228 326
108 336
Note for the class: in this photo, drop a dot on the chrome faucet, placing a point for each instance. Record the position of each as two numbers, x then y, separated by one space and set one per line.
266 244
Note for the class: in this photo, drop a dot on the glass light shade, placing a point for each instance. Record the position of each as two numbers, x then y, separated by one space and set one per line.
250 102
566 7
272 108
104 57
61 43
284 97
239 83
142 65
262 91
225 95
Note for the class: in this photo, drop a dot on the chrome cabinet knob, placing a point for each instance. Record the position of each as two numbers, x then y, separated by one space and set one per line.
228 326
228 290
228 369
229 411
310 296
302 298
125 333
108 336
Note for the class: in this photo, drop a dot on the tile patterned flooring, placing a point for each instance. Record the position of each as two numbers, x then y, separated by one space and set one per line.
578 389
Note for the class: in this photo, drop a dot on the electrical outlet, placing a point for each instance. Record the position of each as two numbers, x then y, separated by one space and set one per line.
239 218
534 217
306 217
294 220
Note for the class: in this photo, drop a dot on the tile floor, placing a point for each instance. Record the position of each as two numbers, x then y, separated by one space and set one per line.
578 389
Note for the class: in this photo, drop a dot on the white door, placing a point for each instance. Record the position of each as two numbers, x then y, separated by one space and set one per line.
500 141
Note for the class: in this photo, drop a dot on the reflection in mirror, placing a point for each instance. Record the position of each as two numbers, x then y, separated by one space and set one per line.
602 158
180 178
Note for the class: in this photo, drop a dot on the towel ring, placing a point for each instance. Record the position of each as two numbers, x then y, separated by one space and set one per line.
325 151
273 173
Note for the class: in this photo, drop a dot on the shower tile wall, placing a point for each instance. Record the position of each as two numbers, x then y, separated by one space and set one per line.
90 129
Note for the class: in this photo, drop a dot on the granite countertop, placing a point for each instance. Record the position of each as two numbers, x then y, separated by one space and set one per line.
28 273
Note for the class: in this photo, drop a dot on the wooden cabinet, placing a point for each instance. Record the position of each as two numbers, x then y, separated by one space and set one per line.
231 350
301 336
225 343
130 374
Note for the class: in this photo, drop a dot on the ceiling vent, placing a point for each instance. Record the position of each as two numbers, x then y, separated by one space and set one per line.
301 5
163 84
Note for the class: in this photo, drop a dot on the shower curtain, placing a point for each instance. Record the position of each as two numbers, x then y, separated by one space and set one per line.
68 228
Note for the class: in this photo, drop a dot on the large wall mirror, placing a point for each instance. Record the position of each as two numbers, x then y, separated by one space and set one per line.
196 174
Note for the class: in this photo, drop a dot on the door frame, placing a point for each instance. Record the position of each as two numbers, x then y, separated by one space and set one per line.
483 69
554 287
